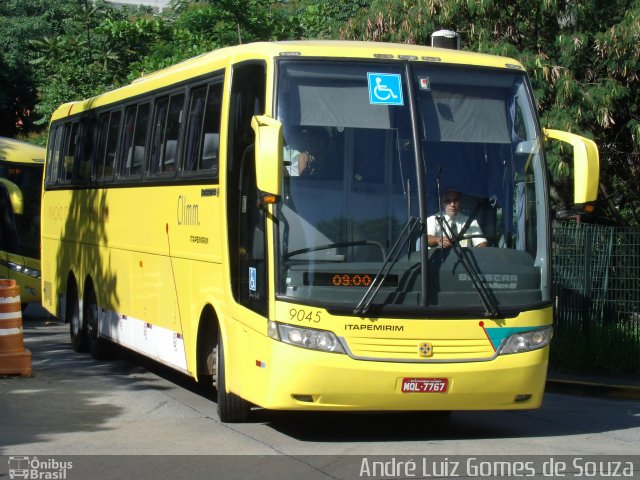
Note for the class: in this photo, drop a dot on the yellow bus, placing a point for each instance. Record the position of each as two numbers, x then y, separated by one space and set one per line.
256 218
21 167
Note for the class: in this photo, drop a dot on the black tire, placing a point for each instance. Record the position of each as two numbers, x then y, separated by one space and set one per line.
72 316
231 408
97 346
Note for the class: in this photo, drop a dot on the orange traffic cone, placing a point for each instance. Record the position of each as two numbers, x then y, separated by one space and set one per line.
14 358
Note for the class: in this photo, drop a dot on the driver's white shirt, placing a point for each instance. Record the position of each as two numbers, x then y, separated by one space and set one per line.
433 228
291 157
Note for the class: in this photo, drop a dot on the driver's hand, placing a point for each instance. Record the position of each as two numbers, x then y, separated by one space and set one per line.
444 242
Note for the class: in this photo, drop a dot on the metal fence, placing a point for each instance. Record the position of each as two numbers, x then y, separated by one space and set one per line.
596 270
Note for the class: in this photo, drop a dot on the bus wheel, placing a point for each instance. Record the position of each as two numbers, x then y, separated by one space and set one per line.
72 314
231 408
97 346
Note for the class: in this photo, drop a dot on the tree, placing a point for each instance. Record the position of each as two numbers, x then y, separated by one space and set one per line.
91 52
15 98
322 20
198 26
21 21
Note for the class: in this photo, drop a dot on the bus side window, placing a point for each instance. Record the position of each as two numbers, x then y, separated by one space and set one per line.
203 130
158 135
127 142
171 145
53 154
165 143
69 151
86 144
103 128
136 126
211 130
194 128
112 144
139 139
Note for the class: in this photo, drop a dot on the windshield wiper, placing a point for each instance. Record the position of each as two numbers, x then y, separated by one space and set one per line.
409 228
488 302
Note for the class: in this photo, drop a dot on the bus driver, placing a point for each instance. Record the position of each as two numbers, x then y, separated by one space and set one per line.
456 221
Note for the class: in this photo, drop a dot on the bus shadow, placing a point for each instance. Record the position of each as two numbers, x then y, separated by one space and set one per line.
560 415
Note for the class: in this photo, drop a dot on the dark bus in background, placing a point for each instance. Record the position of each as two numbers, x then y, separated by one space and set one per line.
21 166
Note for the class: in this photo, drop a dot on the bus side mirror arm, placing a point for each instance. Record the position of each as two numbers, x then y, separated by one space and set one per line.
269 157
586 165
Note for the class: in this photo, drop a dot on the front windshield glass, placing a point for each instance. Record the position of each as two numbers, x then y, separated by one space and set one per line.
351 185
22 228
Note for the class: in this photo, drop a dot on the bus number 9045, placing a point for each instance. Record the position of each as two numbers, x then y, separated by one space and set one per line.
302 315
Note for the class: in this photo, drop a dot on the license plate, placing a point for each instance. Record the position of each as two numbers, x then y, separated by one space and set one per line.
425 385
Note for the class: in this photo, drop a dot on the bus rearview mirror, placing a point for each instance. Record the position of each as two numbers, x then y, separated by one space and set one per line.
586 165
268 150
15 195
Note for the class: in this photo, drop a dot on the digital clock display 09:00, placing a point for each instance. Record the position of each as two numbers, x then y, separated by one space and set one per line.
341 279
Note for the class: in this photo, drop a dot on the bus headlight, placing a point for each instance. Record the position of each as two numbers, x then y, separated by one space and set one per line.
310 338
32 272
527 341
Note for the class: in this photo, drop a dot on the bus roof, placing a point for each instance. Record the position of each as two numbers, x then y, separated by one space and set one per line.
218 59
16 151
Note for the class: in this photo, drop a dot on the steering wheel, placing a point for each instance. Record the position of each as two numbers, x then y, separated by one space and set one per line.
482 202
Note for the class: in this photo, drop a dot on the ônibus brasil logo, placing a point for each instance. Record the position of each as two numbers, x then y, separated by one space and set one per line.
38 469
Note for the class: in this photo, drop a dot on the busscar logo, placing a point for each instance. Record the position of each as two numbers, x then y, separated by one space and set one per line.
38 469
209 192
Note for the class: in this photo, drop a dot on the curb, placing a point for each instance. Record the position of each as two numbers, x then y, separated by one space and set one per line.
596 389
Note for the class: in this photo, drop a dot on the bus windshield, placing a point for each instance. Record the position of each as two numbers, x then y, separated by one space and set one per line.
372 148
20 207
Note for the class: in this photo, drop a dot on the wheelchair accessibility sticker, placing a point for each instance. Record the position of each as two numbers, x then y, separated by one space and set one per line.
253 284
385 89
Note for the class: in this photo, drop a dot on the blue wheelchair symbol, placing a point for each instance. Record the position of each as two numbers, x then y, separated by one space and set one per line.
385 89
252 279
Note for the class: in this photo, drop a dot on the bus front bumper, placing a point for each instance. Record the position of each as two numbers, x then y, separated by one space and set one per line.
300 379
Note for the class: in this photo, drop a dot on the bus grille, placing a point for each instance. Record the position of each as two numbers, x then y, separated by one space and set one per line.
409 350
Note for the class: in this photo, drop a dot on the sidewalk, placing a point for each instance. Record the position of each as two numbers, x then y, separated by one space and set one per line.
624 386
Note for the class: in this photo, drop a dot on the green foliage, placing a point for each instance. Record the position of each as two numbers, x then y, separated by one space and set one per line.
14 98
129 41
323 20
20 21
77 60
